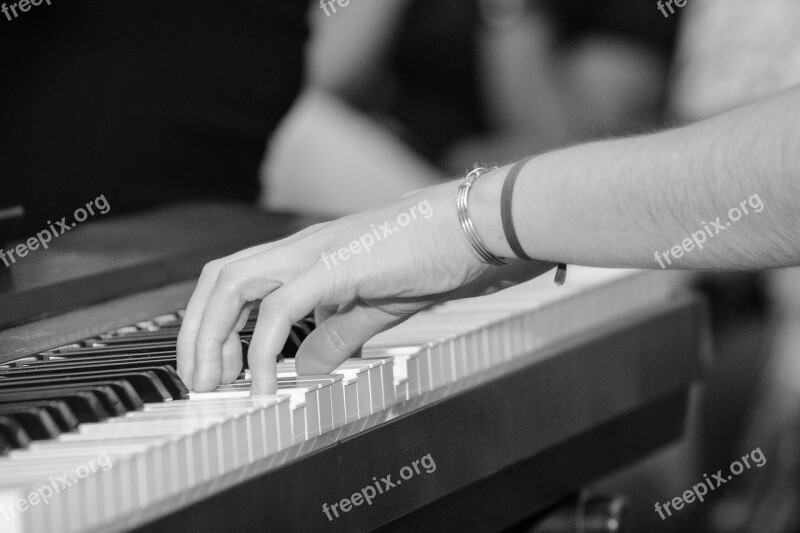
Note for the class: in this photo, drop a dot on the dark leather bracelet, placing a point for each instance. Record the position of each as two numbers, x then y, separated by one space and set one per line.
506 213
508 220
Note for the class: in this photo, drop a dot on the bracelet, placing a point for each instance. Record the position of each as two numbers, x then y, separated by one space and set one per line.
486 255
508 220
462 203
505 211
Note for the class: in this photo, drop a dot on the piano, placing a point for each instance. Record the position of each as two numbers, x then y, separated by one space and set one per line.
471 416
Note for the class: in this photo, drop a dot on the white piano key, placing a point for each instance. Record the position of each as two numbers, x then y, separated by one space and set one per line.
358 378
424 366
304 425
350 397
386 379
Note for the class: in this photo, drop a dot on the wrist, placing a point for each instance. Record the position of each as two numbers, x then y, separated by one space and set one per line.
484 211
491 215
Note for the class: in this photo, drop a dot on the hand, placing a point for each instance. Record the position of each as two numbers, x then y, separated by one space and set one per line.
361 274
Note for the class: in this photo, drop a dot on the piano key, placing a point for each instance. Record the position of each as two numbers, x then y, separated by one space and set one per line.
123 388
62 415
104 391
319 401
167 319
158 359
304 409
147 384
387 379
83 401
263 418
278 419
370 377
307 403
352 384
35 421
5 445
89 364
13 432
333 388
156 347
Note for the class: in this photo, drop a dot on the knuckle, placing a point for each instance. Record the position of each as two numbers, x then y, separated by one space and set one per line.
212 268
229 278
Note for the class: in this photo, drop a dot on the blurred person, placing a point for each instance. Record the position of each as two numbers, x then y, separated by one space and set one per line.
406 91
733 53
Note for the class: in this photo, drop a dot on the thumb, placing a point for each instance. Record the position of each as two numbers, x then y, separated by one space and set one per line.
341 336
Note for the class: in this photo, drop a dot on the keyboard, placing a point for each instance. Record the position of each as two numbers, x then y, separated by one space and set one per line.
470 415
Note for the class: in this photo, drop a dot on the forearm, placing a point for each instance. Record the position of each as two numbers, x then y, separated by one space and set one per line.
329 156
616 203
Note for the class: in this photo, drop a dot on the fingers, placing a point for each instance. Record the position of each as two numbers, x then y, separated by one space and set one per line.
187 335
341 336
231 359
276 315
237 284
195 309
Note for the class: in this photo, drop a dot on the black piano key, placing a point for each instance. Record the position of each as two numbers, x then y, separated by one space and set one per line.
104 392
144 337
5 445
59 411
84 403
246 351
89 364
147 383
134 360
168 334
169 376
168 347
35 421
166 372
158 359
14 433
306 325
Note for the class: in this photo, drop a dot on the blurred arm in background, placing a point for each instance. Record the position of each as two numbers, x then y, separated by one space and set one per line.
328 157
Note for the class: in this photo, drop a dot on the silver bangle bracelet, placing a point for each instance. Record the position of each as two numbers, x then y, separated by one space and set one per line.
486 255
